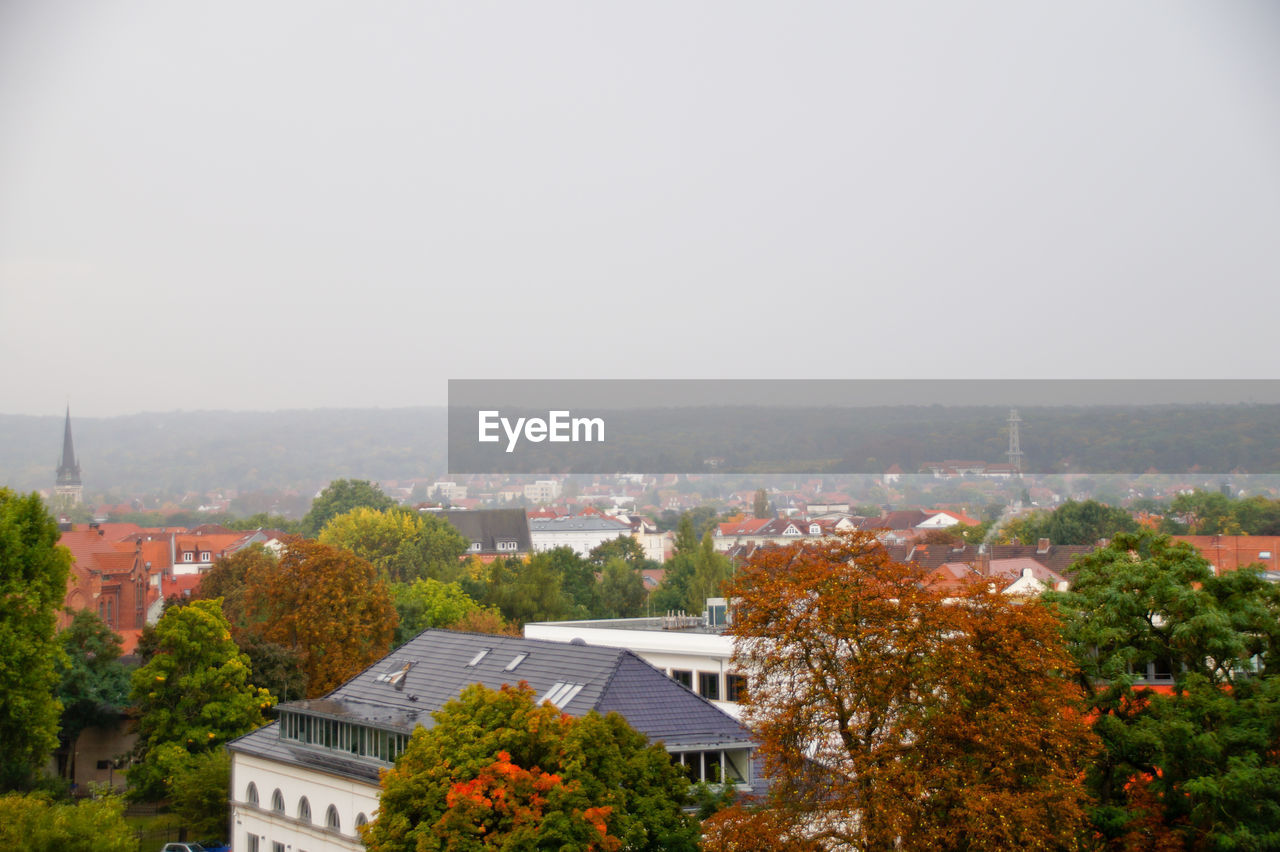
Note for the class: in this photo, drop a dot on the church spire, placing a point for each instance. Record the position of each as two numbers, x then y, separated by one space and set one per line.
69 485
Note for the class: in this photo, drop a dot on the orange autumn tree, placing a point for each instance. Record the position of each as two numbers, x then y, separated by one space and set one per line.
892 717
500 770
327 604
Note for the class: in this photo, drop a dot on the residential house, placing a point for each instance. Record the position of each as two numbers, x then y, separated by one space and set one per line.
583 533
309 780
492 532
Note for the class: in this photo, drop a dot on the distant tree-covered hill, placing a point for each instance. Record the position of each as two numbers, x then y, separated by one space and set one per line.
178 452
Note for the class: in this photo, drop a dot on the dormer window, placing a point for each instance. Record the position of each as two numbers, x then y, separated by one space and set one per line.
204 556
814 529
507 545
186 557
475 547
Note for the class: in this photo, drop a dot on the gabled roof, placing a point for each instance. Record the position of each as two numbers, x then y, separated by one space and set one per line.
489 526
571 523
746 526
440 663
904 519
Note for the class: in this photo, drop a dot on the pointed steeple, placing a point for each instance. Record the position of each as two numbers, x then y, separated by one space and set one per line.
68 467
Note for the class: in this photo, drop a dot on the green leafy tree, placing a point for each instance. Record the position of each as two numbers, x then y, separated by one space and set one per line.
1087 522
193 696
33 581
760 504
402 545
1206 513
199 792
577 580
525 590
500 771
263 520
341 496
623 547
425 603
1196 765
622 592
33 823
673 594
95 685
711 570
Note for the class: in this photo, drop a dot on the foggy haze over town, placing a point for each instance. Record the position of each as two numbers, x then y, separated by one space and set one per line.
249 207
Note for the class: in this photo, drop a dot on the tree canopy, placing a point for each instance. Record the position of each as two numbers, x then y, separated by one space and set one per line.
424 603
33 581
1181 669
327 604
500 771
95 685
192 696
273 666
404 546
892 717
34 823
343 495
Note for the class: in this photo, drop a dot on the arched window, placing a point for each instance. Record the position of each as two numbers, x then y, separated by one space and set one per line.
277 801
304 809
331 820
361 819
251 795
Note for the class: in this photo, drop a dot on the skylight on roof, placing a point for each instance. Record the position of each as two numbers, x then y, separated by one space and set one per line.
561 693
478 657
511 666
394 675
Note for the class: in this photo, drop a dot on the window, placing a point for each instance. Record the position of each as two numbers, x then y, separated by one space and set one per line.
361 819
709 685
1264 554
277 801
507 545
304 809
715 767
204 556
735 687
478 657
511 666
251 843
475 546
251 795
684 678
331 820
186 557
277 847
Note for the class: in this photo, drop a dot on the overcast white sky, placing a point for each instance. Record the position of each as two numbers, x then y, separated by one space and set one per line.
251 205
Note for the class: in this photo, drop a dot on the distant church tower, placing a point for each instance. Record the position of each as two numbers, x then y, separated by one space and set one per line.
69 491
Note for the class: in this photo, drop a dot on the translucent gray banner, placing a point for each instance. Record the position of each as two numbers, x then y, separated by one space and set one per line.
988 428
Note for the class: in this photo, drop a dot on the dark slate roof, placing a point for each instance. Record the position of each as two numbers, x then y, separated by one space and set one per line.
612 679
489 526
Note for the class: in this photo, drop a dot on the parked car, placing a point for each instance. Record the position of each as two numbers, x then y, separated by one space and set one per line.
183 847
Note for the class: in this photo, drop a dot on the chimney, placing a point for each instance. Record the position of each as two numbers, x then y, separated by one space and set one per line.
1042 546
